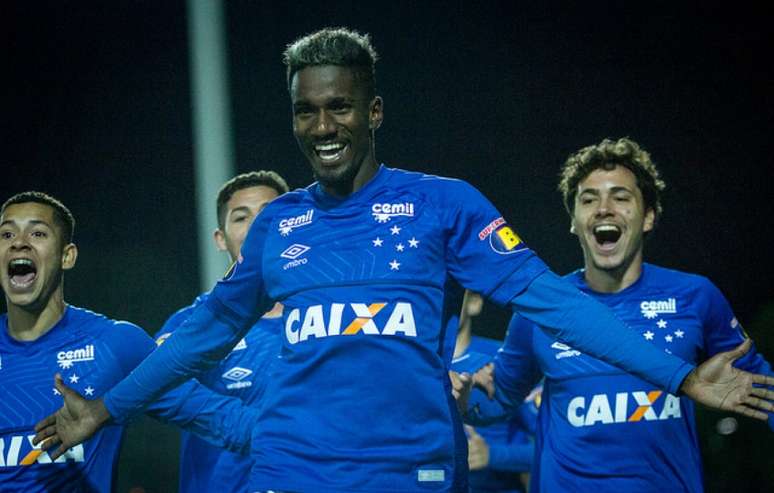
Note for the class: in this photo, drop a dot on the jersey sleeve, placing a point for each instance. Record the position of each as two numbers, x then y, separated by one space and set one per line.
575 318
214 327
223 421
483 253
723 332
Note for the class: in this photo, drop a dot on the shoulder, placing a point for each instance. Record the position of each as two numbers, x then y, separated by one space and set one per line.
120 335
685 281
180 316
432 186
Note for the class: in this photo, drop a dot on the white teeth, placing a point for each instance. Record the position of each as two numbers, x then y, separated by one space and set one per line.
605 227
21 261
329 147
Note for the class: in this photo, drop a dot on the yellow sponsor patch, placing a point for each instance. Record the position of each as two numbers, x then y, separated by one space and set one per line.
510 239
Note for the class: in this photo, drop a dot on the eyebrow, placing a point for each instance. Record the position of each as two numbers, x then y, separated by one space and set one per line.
241 208
595 191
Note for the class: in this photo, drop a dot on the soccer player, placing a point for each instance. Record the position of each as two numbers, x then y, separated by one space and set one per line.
244 372
41 334
499 455
602 429
360 399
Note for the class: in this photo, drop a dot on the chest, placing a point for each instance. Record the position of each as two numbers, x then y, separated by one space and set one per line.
668 321
391 238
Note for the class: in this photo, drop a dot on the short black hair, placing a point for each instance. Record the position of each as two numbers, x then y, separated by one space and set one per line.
334 46
62 215
607 155
267 178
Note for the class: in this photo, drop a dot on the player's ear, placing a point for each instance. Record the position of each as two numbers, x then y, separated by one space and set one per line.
572 228
220 239
649 220
69 256
376 113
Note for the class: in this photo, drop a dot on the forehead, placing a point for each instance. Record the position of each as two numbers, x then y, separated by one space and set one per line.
251 197
323 82
26 212
618 177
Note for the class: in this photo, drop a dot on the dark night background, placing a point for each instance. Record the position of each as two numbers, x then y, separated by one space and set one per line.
97 113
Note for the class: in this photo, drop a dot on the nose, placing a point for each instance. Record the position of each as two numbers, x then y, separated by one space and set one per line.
19 242
604 207
323 125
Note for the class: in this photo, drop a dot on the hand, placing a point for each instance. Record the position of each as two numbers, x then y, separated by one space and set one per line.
717 384
478 450
461 385
76 421
484 379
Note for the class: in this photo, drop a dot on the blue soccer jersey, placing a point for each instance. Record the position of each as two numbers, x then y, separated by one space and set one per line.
243 374
360 399
92 353
510 444
604 430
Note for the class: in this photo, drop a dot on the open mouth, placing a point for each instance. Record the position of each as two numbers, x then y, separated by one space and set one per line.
607 235
22 272
330 152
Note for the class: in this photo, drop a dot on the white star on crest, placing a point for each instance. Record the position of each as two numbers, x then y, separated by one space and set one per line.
65 364
74 378
89 390
679 334
56 392
394 265
668 338
413 242
399 247
648 335
377 242
650 315
662 324
395 229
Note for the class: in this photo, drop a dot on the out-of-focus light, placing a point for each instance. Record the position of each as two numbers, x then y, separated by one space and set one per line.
727 426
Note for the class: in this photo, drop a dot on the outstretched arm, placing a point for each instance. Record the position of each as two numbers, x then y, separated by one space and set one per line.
587 325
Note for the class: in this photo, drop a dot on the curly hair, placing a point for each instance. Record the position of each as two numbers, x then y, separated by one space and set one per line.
334 46
265 178
62 216
607 155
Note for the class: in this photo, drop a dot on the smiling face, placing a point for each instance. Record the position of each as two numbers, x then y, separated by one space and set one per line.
333 122
241 210
32 255
610 220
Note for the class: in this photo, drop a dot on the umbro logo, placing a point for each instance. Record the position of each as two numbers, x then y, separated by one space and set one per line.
237 376
294 251
565 350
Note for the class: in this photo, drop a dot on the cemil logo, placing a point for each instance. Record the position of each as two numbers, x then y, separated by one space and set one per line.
651 309
384 212
286 226
65 359
600 411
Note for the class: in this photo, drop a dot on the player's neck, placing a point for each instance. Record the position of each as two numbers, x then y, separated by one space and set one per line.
464 336
613 280
29 324
365 174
